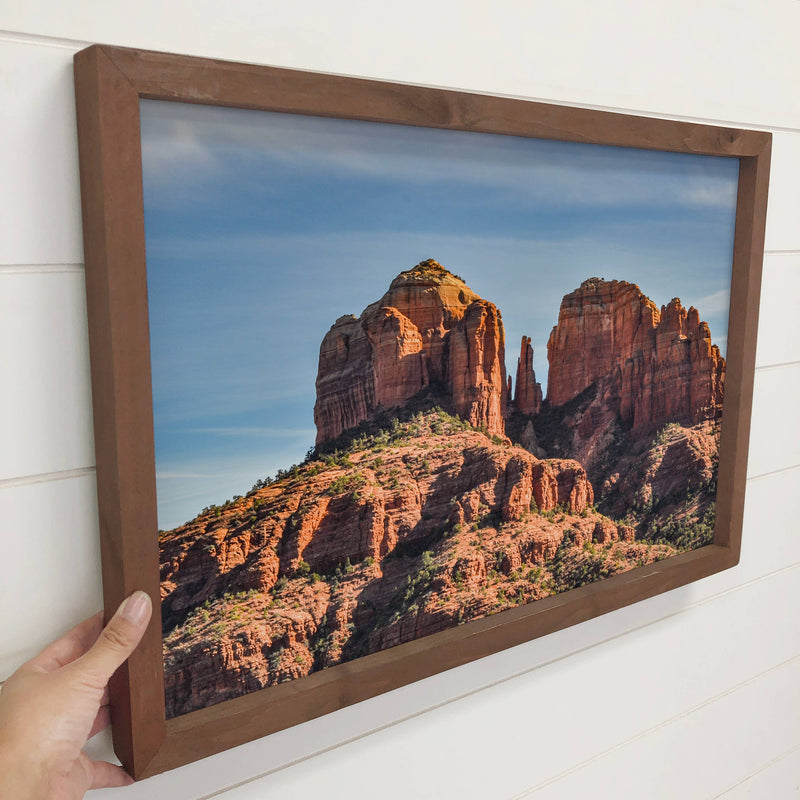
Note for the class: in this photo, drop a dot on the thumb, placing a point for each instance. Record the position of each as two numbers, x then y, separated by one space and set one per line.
119 638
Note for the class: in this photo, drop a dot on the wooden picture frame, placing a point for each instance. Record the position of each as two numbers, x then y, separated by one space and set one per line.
110 81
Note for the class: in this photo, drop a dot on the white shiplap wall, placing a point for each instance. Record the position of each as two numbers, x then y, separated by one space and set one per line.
692 694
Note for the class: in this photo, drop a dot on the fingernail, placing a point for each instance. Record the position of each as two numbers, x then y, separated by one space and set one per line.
136 608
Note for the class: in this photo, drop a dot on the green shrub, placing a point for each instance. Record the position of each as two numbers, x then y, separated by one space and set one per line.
275 659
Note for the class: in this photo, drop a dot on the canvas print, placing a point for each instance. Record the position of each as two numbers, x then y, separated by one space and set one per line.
405 378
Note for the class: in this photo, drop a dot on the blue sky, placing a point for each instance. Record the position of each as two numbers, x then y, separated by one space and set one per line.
261 229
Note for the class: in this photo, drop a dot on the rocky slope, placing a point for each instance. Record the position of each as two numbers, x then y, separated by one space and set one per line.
429 329
416 528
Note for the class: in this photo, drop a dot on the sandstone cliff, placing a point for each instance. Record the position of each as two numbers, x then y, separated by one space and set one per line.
648 366
635 395
429 329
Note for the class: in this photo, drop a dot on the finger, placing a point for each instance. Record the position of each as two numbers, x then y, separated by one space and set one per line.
105 775
101 721
118 639
71 645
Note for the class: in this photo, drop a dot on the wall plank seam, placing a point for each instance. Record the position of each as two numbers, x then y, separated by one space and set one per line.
763 768
39 269
20 37
46 477
782 365
764 475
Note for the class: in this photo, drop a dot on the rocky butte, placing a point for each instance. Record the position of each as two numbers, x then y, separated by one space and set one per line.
652 366
635 395
429 330
451 501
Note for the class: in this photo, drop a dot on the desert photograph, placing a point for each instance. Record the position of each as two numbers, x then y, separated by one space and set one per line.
407 378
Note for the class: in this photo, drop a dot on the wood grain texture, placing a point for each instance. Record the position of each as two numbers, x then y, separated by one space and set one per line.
109 83
196 80
111 190
748 257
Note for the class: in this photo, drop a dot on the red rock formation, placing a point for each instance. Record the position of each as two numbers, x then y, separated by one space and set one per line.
574 489
399 365
677 463
430 327
651 367
528 397
345 379
476 374
349 555
605 531
600 325
363 511
433 523
434 300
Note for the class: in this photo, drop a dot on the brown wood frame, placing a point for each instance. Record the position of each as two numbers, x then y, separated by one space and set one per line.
109 81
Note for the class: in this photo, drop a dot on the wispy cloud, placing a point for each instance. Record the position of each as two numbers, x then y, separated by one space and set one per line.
268 433
161 475
178 152
187 139
187 484
715 303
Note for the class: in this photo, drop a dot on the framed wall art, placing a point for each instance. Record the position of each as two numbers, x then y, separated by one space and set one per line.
389 378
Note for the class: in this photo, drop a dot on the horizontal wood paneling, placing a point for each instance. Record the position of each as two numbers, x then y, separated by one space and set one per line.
51 564
698 755
45 405
778 779
38 161
775 430
783 232
40 211
714 59
779 322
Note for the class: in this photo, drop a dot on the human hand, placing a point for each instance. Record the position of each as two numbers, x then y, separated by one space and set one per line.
56 701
